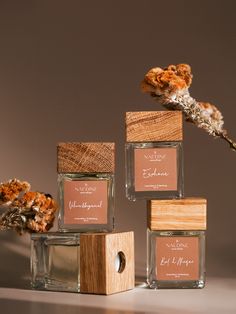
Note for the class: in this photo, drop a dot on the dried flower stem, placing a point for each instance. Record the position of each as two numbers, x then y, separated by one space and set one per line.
225 136
170 87
195 114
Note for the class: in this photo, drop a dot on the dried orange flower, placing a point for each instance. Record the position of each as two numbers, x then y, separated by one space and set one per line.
170 87
11 190
172 80
29 212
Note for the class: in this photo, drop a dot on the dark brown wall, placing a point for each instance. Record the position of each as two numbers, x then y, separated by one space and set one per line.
68 72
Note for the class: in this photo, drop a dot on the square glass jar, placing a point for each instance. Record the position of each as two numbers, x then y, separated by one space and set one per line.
55 261
86 202
176 243
154 155
86 187
176 259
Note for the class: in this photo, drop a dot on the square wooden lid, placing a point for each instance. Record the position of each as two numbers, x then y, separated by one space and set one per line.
151 126
85 157
177 214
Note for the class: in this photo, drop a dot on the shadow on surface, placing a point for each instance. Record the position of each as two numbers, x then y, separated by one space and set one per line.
10 306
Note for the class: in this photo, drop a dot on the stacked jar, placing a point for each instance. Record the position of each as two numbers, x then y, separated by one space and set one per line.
176 225
86 254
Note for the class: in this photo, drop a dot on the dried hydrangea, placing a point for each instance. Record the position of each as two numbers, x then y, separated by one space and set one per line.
26 211
170 87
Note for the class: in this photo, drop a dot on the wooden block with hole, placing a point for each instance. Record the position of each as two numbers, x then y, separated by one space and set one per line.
106 262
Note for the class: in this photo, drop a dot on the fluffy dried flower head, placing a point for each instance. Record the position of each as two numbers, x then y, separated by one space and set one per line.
43 208
11 190
184 71
211 111
30 212
171 80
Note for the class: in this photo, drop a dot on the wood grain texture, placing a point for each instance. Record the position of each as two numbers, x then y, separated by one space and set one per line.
97 262
177 214
150 126
85 157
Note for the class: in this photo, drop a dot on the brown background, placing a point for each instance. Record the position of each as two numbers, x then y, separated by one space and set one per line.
69 70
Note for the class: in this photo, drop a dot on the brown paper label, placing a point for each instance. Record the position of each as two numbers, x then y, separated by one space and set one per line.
155 169
177 258
85 202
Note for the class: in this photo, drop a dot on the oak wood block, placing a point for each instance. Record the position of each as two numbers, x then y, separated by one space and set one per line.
98 252
177 214
85 157
151 126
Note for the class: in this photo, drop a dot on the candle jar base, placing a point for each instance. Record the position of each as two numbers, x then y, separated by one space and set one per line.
55 261
198 284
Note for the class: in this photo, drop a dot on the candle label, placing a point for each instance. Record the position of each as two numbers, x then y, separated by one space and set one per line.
155 169
85 202
177 258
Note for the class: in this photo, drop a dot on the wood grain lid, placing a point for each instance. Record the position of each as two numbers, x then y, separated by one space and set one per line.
85 157
177 214
150 126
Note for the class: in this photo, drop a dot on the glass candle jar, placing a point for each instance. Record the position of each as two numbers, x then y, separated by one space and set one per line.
154 158
86 187
99 263
176 243
55 261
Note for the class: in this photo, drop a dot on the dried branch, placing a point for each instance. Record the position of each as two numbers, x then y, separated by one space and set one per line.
170 87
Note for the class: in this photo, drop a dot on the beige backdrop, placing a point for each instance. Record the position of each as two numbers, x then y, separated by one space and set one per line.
69 70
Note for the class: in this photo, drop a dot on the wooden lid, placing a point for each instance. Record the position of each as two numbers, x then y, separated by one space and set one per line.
85 157
177 214
150 126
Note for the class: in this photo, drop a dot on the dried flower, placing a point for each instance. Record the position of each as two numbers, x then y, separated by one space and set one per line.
30 212
11 190
170 87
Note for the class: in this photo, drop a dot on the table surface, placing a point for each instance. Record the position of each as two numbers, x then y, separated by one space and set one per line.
219 296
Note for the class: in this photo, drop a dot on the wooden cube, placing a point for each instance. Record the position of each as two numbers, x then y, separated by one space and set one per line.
100 272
